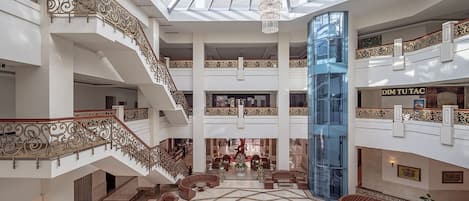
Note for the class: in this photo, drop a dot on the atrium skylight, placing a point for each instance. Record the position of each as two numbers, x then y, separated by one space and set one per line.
233 5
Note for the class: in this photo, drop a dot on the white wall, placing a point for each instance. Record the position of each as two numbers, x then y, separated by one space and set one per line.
255 127
7 102
88 97
92 64
20 189
21 37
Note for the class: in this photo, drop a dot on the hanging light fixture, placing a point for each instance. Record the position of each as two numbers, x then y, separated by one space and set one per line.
270 15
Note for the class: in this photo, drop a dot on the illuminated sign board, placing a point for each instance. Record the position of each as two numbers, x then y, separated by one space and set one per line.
403 91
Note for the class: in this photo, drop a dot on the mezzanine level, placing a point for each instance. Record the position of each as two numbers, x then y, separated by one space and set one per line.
440 134
435 57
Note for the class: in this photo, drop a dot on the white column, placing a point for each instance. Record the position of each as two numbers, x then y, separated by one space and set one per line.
198 109
154 121
399 62
154 32
447 130
397 124
283 102
47 91
352 104
447 47
119 111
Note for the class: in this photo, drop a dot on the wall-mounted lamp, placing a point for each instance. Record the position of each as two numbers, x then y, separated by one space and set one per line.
392 163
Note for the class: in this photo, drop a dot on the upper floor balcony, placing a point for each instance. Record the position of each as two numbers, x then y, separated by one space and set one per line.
437 133
434 57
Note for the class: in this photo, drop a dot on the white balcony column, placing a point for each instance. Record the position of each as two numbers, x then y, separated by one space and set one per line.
447 130
447 47
198 135
352 104
154 35
119 111
397 124
240 71
399 60
167 61
283 102
240 121
47 91
154 121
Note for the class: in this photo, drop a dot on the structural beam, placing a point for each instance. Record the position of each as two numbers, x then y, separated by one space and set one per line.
211 4
289 5
190 5
173 5
250 4
231 3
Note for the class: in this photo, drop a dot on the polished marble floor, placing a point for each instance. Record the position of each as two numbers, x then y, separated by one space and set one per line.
242 190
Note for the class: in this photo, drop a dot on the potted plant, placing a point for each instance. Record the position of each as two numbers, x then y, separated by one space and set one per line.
240 165
427 197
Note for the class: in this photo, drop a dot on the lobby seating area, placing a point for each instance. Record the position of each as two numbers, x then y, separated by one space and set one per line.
287 178
189 185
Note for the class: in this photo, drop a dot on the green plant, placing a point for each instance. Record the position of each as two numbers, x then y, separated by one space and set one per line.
427 197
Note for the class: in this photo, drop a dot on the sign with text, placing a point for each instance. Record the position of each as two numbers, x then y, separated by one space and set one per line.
403 91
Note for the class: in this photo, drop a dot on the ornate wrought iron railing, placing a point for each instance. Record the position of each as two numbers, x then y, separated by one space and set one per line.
461 117
298 63
53 139
298 111
260 63
461 29
92 113
260 111
135 114
374 113
180 63
431 115
110 11
221 111
221 63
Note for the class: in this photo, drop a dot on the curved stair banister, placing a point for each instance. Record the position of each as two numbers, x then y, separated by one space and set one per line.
115 14
52 139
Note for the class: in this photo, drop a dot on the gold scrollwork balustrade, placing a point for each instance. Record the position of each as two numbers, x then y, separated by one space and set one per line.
53 139
375 51
298 63
461 29
461 117
221 64
90 113
298 111
431 115
180 63
260 63
135 114
113 13
221 111
260 111
423 42
374 113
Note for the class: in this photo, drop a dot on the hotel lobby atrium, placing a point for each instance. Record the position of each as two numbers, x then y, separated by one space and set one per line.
234 100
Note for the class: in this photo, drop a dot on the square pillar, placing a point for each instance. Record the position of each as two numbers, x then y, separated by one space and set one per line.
447 130
399 61
154 35
198 136
397 124
283 102
447 46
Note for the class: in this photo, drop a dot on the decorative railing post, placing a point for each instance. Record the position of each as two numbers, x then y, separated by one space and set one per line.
447 50
240 71
240 114
398 60
398 124
447 130
119 111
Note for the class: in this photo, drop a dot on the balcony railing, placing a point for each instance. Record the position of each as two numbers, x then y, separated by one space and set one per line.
426 114
298 63
53 139
111 12
221 111
461 117
374 113
260 111
135 114
92 113
461 29
431 115
221 64
298 111
180 63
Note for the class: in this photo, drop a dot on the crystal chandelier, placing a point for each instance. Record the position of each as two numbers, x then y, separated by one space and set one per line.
270 14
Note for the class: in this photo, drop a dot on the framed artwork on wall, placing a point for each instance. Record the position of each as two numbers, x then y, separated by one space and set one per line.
411 173
419 103
452 177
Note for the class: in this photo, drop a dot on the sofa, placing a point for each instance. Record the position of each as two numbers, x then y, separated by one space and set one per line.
168 196
187 184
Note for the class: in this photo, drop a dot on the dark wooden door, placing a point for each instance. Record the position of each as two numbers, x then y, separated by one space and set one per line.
110 101
83 188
